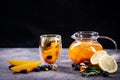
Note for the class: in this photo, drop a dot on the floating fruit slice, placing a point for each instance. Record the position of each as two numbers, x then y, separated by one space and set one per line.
96 56
107 63
19 62
29 67
54 44
51 55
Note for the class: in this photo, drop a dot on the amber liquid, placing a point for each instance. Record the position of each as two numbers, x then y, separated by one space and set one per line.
51 53
78 52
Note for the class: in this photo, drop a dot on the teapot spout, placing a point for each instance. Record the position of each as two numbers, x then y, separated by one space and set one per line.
76 35
73 36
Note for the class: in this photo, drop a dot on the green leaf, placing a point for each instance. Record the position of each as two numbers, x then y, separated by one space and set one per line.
47 43
89 74
94 71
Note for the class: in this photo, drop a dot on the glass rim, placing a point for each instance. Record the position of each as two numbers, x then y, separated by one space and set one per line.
85 34
88 32
50 35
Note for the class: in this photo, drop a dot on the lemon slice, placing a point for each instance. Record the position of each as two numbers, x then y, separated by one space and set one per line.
19 62
107 63
29 66
96 56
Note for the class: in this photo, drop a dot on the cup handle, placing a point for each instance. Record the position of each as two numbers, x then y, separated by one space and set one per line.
114 42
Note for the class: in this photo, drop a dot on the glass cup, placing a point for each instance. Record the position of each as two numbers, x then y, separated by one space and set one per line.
50 47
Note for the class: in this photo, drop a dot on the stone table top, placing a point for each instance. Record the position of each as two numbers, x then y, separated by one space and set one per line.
64 71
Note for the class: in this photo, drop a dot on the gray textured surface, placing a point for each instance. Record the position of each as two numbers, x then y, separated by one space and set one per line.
64 70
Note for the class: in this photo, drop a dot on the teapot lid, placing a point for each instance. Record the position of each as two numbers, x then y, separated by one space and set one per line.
85 34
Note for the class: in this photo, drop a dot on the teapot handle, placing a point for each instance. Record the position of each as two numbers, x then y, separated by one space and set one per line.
115 56
114 42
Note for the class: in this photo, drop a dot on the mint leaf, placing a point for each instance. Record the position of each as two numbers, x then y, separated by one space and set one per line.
94 71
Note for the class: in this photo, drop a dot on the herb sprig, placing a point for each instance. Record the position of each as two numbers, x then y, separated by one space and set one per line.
94 71
47 43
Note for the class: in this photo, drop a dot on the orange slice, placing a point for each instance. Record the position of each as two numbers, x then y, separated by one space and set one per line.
19 62
29 67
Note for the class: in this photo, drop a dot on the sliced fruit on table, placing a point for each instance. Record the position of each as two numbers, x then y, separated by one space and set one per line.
28 66
19 62
107 63
96 56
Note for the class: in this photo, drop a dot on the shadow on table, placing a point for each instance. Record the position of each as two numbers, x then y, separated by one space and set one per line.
67 69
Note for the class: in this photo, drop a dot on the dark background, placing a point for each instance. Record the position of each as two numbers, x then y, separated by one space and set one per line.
22 22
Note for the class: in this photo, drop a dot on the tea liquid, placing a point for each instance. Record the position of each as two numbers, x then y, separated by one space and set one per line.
51 53
80 51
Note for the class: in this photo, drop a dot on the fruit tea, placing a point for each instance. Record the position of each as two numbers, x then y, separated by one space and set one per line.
50 48
80 51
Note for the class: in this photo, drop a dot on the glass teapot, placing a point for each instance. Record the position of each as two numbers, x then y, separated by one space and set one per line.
85 45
